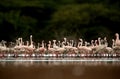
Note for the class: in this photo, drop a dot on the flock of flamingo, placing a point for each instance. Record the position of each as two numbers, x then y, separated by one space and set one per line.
65 48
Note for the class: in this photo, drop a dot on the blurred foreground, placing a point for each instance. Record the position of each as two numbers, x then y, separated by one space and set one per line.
59 69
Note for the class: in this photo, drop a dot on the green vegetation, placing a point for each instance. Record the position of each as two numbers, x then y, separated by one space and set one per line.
53 19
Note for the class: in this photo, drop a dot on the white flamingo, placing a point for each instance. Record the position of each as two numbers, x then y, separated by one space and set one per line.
117 40
83 49
113 43
3 48
116 44
41 49
109 49
52 50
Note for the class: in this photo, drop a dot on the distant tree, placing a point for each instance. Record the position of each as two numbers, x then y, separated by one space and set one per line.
24 18
51 19
75 20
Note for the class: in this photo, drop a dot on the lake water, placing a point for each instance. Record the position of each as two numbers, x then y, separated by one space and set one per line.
59 68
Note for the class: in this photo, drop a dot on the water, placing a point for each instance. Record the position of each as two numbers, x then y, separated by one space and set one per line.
59 68
59 61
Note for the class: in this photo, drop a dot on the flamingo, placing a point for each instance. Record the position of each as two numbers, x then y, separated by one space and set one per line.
109 49
58 50
30 47
25 48
116 44
102 48
54 44
61 49
100 45
20 47
41 49
18 43
3 48
105 48
84 49
117 41
75 49
113 43
50 48
65 40
31 42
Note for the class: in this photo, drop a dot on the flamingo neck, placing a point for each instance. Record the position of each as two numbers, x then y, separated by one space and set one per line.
68 43
54 43
59 43
92 44
117 37
86 44
43 45
78 44
81 43
113 44
19 41
49 46
27 43
63 44
96 43
99 41
72 43
31 39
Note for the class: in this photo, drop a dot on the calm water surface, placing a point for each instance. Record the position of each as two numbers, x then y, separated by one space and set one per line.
59 68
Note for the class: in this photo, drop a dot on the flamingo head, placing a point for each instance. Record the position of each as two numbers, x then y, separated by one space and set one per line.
85 42
30 36
48 45
80 40
54 41
99 38
95 41
116 34
42 41
92 41
105 38
65 39
113 40
49 42
59 41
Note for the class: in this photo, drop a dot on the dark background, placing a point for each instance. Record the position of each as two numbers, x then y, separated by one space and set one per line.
55 19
